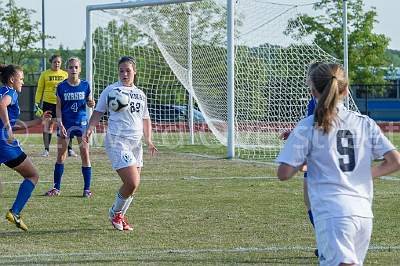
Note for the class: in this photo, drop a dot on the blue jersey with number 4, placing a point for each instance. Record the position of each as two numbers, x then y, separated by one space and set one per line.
73 102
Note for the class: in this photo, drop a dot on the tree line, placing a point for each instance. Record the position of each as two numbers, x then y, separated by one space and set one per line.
20 37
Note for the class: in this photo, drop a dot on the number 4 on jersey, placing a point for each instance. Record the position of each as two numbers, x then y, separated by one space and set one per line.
74 107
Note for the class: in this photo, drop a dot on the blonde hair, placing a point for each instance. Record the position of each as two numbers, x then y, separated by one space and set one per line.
330 82
73 58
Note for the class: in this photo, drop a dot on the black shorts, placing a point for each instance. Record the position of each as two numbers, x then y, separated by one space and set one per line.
17 161
50 107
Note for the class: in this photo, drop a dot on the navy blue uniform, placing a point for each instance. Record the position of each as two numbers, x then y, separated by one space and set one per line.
8 151
73 106
311 106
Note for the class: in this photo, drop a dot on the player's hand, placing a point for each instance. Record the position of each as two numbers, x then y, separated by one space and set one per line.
63 131
10 138
38 111
46 115
285 135
151 148
91 103
87 135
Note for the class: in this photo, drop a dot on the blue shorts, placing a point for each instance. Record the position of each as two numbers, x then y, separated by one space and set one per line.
73 131
9 152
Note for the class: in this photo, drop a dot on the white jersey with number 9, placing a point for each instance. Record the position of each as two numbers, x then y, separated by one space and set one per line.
338 163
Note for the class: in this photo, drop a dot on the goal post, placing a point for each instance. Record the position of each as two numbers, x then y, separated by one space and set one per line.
214 71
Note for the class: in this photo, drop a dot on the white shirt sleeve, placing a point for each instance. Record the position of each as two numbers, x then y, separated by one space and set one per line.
102 103
297 146
380 144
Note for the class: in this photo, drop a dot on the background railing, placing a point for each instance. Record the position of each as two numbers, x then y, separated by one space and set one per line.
379 101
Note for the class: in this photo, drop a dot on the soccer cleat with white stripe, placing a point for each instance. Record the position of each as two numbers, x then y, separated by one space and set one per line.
53 192
116 219
125 224
16 219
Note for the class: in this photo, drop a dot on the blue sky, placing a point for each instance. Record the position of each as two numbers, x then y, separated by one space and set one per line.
69 17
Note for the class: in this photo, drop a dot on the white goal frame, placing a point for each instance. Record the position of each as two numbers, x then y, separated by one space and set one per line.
230 57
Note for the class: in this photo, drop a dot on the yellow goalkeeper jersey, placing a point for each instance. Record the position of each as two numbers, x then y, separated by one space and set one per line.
47 85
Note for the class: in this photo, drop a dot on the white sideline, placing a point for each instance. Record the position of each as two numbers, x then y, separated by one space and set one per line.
189 251
112 179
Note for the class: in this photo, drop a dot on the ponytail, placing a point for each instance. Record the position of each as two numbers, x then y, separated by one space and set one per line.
329 81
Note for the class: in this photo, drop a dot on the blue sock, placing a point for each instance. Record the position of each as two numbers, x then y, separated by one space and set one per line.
310 216
58 172
87 175
24 193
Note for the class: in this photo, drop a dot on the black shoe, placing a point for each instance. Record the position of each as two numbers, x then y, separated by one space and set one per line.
316 253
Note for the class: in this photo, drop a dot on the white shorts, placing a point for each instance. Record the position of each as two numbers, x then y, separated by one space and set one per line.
343 239
123 152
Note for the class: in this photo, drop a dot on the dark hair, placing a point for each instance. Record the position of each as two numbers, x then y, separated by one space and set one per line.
310 69
54 56
330 82
132 61
8 71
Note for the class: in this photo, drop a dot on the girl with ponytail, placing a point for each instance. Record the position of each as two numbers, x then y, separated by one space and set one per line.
338 146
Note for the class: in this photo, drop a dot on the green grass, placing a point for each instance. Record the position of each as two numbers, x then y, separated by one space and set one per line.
189 210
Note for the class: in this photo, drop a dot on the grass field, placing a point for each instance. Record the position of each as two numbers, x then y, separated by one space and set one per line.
189 210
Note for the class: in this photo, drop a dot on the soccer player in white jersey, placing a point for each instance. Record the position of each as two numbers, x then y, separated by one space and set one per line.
338 146
123 139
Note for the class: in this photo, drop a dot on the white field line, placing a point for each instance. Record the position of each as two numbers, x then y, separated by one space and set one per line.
271 249
112 179
220 158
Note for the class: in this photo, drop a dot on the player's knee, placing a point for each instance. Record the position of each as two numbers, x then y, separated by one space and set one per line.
34 177
61 158
131 186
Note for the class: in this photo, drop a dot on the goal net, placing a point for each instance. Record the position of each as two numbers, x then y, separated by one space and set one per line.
181 54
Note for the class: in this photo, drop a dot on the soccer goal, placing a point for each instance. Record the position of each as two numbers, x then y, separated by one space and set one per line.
214 71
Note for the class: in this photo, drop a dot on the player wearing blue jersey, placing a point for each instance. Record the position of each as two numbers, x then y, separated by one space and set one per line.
338 146
73 95
11 153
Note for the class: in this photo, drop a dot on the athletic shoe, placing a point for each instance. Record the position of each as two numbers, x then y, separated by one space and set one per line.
116 221
125 224
45 153
87 193
53 192
16 219
71 153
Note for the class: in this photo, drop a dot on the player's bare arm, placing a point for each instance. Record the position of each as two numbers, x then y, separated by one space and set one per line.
390 164
63 131
90 102
46 116
94 120
147 136
286 171
5 101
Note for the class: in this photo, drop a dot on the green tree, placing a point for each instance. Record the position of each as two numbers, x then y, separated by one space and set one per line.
366 48
393 57
18 34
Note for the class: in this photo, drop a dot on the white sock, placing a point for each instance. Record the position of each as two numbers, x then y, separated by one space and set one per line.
127 204
119 203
